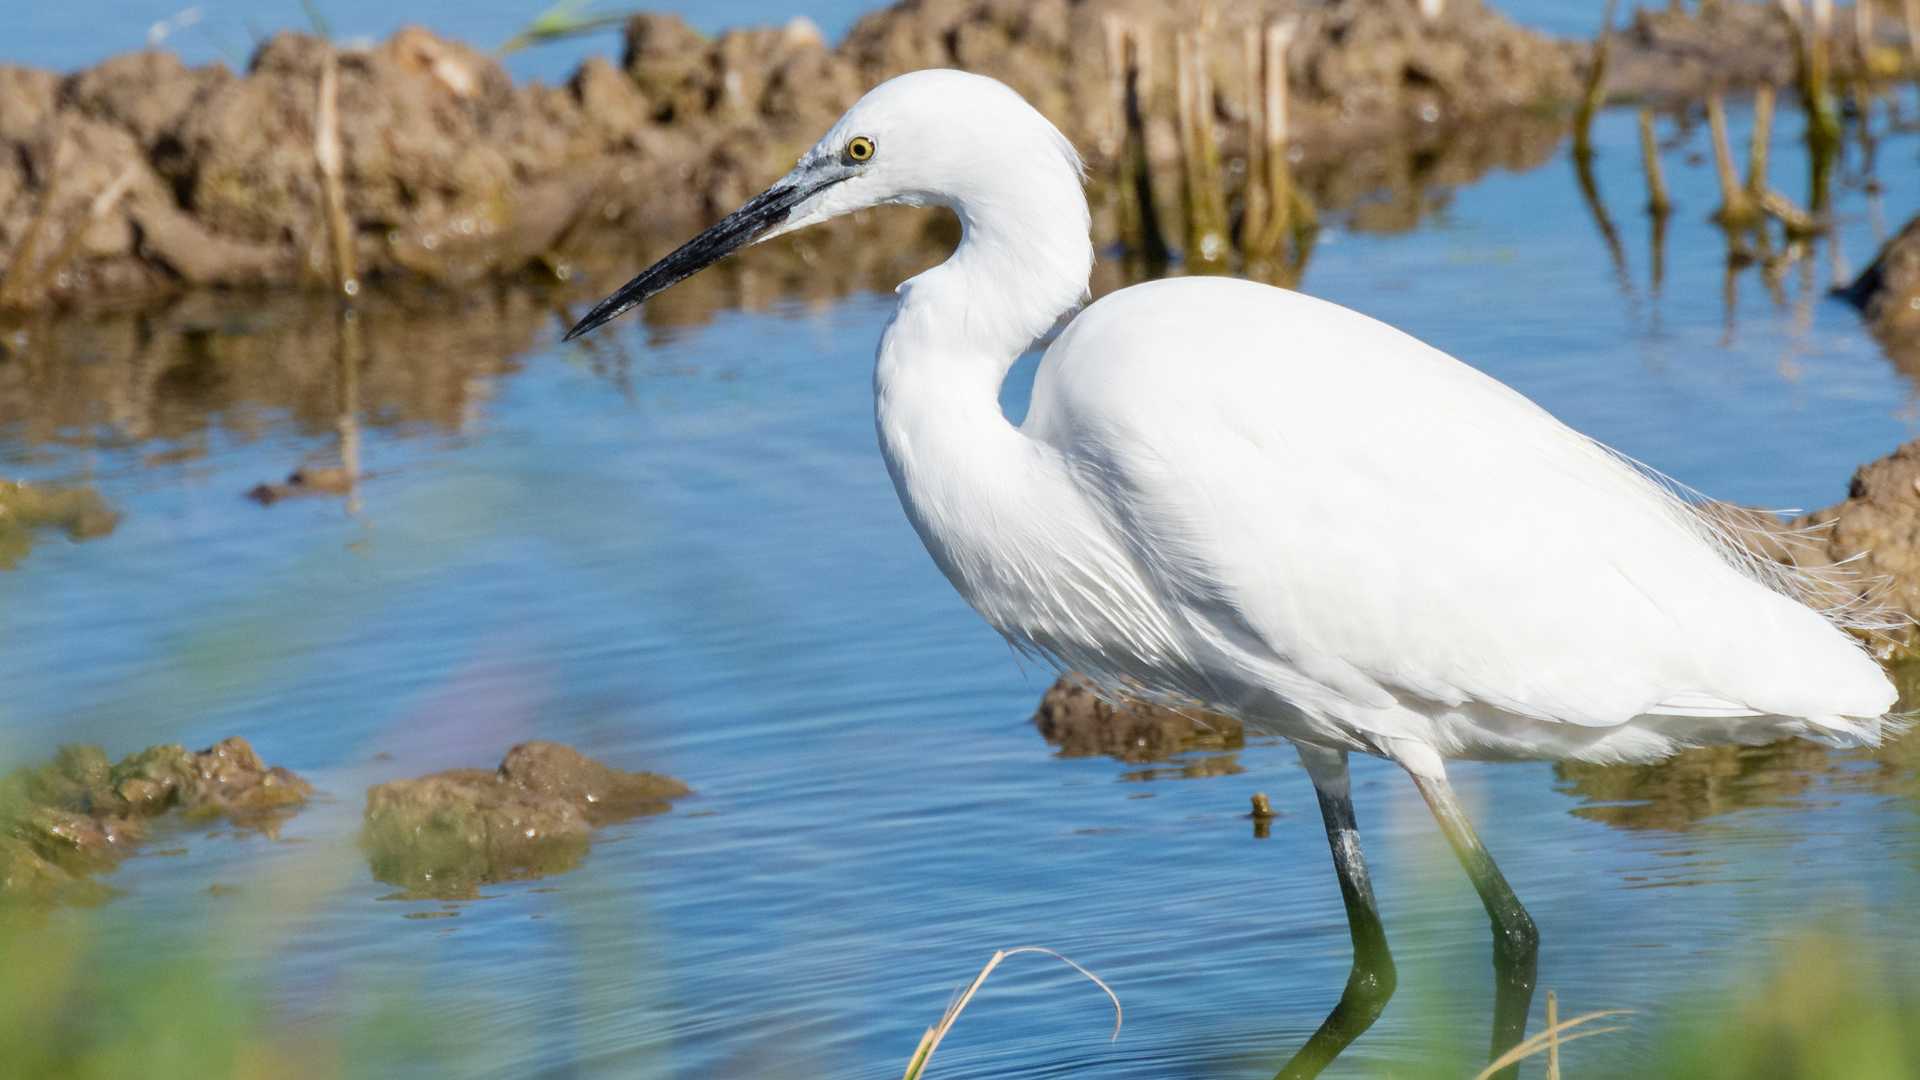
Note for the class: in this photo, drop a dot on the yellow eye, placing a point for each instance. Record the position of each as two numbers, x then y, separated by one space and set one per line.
860 149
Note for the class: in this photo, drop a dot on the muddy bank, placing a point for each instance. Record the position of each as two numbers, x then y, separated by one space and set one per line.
81 814
449 833
142 176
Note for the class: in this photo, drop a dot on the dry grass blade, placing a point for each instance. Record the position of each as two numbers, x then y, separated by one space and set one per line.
929 1042
1555 1035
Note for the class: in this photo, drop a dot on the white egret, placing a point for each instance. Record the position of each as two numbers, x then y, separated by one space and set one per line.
1236 495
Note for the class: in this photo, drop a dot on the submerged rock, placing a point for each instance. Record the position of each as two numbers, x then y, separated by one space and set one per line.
25 509
81 814
448 833
1888 292
1082 724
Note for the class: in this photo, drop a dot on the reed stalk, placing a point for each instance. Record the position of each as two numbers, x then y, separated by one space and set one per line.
1207 245
1594 93
1761 142
1658 202
328 160
1737 209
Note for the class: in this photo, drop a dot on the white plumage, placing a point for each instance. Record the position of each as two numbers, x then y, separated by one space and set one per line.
1243 497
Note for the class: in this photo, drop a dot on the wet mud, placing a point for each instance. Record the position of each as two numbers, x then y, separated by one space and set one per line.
446 834
81 814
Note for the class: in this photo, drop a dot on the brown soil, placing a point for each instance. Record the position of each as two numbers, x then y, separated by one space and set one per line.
1672 57
142 176
1875 532
448 833
82 814
1082 724
1888 295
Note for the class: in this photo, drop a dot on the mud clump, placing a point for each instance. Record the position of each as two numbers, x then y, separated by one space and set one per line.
1887 293
1082 724
447 834
81 814
25 509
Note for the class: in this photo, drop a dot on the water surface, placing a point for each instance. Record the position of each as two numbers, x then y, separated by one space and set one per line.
678 551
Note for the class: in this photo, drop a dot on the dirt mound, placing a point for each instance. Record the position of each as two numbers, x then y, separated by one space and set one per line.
1082 724
82 814
451 832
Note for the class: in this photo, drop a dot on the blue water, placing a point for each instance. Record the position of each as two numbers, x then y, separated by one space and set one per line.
700 569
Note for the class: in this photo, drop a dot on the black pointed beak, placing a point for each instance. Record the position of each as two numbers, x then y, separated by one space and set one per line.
759 216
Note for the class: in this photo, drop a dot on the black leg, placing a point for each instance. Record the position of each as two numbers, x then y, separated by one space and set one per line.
1516 941
1371 981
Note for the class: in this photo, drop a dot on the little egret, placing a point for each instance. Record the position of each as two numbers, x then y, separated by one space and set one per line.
1230 494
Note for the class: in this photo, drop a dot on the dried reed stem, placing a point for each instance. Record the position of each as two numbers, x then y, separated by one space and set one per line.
328 160
1736 206
1761 141
1911 10
1253 218
929 1042
1657 200
1592 96
1289 210
1553 1036
347 354
1206 203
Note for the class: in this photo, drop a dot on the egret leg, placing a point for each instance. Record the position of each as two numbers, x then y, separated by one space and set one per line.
1371 981
1516 941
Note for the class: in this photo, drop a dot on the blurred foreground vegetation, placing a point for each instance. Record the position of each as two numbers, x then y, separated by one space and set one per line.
73 1008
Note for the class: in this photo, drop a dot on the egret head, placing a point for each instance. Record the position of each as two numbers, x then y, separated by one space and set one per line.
927 138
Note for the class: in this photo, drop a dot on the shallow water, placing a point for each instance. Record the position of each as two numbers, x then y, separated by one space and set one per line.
688 558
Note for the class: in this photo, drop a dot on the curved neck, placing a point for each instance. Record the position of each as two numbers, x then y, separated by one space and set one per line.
1023 261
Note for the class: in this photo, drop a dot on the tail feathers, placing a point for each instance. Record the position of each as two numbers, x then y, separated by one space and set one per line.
1857 732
